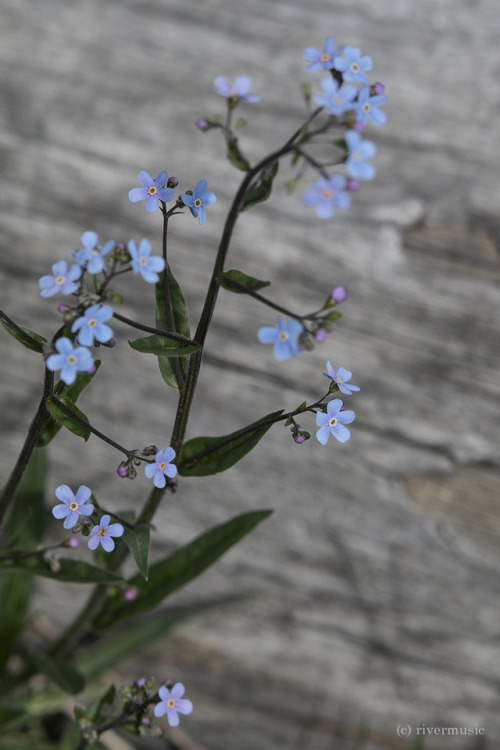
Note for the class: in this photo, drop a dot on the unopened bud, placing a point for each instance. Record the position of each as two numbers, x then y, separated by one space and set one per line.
172 182
339 294
378 88
122 470
202 124
353 185
320 335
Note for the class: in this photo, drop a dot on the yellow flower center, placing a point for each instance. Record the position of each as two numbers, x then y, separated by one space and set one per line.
171 703
197 202
102 531
327 192
60 280
366 107
143 261
162 465
283 336
92 322
152 190
73 505
71 359
324 57
332 421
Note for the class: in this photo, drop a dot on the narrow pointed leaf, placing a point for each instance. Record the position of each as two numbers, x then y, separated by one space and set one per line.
63 569
24 529
166 364
63 673
262 190
204 456
234 280
163 347
65 419
175 571
27 338
71 393
137 540
235 155
132 638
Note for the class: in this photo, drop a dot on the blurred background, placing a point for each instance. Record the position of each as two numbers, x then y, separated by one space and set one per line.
375 584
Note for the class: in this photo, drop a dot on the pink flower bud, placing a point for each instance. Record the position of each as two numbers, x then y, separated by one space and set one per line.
339 294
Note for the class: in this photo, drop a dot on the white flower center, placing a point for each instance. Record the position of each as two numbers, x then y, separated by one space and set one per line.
354 67
60 280
366 107
92 323
143 261
332 421
283 336
197 202
71 359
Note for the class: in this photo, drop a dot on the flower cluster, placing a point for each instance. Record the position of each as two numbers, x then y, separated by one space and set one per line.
154 191
75 505
348 97
299 334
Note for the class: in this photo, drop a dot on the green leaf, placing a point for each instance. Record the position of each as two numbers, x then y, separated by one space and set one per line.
71 738
63 673
72 571
71 393
9 715
203 456
135 636
226 279
137 540
235 156
163 347
262 190
175 571
27 338
167 365
65 419
24 529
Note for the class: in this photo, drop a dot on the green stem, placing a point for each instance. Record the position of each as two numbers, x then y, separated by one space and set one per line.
71 635
34 432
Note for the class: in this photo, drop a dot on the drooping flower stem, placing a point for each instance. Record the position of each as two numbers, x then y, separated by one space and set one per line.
34 432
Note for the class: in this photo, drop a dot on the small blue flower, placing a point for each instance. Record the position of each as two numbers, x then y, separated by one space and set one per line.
366 107
337 99
149 266
352 66
172 703
322 59
200 198
283 336
62 280
69 360
102 533
358 152
333 422
325 194
238 91
73 505
152 190
91 255
341 379
92 325
162 467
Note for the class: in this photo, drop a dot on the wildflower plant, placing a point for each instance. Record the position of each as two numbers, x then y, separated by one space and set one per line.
89 279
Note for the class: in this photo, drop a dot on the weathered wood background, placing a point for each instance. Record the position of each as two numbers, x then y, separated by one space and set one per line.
376 582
